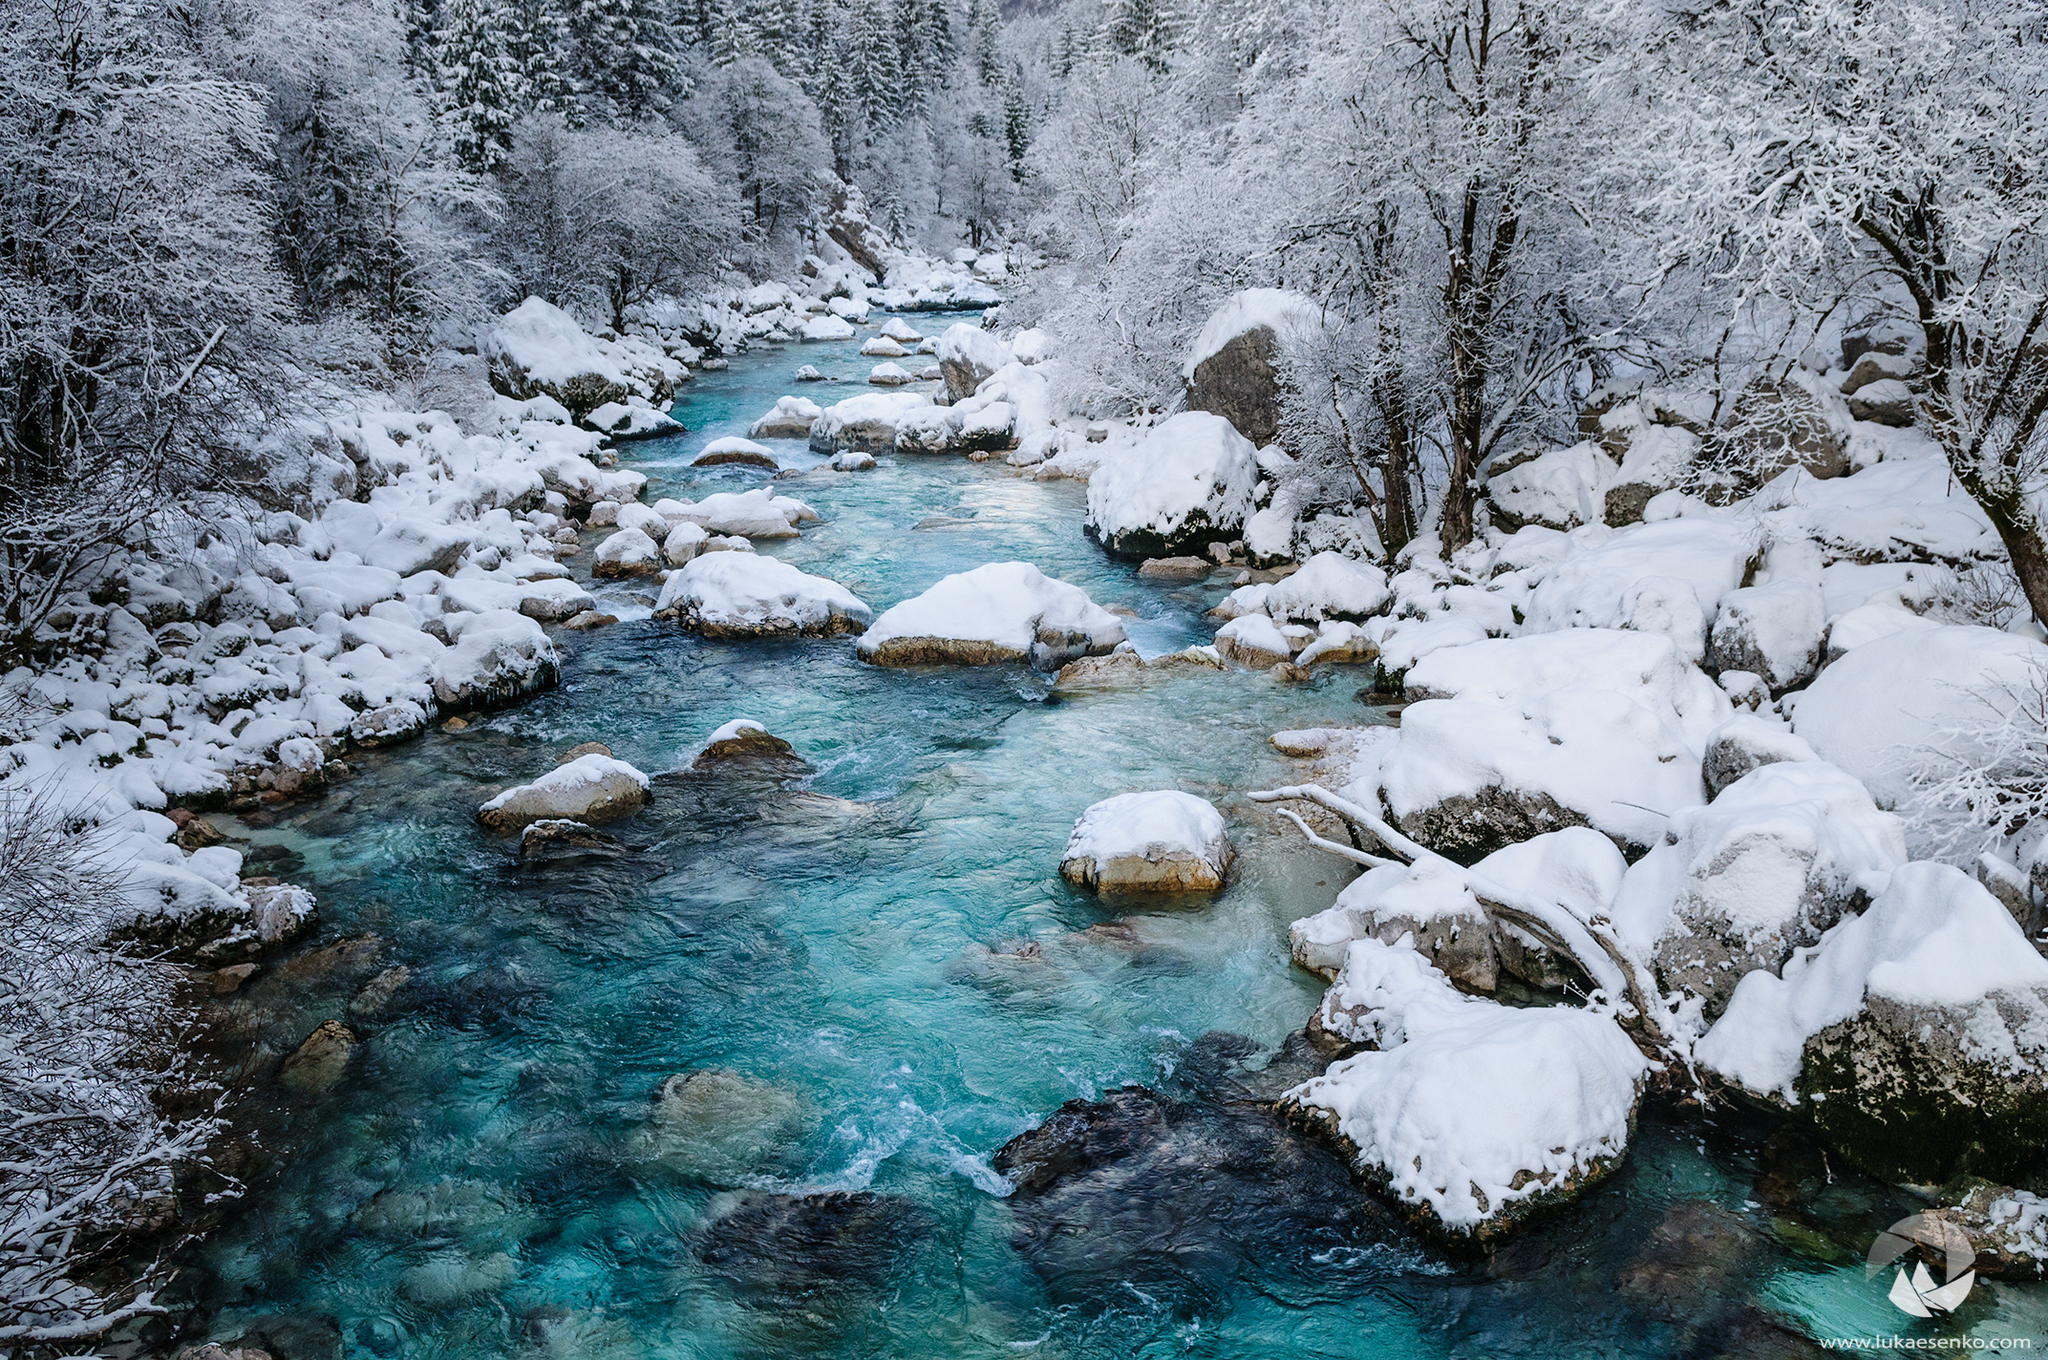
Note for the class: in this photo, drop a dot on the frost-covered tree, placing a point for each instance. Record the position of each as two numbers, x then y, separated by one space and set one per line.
139 301
602 219
1858 158
759 129
477 67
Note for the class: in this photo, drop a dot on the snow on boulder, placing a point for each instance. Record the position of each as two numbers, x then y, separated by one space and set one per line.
827 327
731 595
1666 577
790 418
629 552
537 349
1881 710
1230 369
1747 742
1256 641
1329 586
1513 737
1775 631
1003 611
1781 855
684 542
1914 1035
1468 1114
901 331
867 422
1557 489
890 375
882 347
759 513
1187 483
495 658
631 422
1148 842
733 449
968 356
591 788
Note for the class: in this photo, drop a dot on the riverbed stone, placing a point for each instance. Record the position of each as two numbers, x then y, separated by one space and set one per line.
782 1250
317 1064
720 1126
590 788
1162 841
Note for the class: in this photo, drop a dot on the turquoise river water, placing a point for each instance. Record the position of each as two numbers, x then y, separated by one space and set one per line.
887 957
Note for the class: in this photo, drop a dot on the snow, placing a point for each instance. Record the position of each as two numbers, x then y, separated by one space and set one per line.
546 344
747 595
1774 630
1329 586
1933 937
970 355
1468 1107
882 347
1880 709
869 421
1176 839
1013 608
626 552
1191 476
759 513
790 418
1254 640
1666 578
828 327
1558 489
890 375
724 450
591 787
1284 312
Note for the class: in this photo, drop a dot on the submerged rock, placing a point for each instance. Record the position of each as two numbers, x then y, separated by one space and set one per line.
777 1250
721 1126
1156 842
317 1064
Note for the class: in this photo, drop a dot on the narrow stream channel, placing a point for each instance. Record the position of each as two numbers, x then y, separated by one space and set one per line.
486 1181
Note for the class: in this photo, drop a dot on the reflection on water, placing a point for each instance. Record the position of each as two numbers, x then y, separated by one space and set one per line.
867 983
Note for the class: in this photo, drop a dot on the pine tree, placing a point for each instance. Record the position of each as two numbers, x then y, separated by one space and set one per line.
545 47
477 71
628 54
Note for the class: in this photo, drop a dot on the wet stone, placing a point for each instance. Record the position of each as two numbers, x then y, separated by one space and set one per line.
775 1249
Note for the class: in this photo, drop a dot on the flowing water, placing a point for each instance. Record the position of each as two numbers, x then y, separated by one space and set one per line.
887 960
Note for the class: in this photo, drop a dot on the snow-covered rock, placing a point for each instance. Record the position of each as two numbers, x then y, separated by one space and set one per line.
1513 737
538 349
1164 841
1003 611
790 418
882 347
1747 742
827 327
1230 369
733 449
631 422
1915 1035
758 513
1185 484
1776 631
591 788
684 542
1778 857
1256 641
1329 586
728 594
968 356
890 375
901 331
629 552
868 422
1558 489
1667 577
1466 1113
494 659
1881 709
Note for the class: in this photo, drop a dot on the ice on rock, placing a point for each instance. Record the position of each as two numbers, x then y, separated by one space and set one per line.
1186 483
790 418
729 594
1163 841
1467 1113
591 788
999 612
1880 710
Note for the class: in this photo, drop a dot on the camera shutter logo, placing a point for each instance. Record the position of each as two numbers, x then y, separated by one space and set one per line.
1916 1291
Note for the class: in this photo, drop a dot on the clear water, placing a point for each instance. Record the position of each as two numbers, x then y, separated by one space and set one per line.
486 1181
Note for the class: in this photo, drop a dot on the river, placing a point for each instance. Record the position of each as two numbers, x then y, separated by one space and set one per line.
486 1180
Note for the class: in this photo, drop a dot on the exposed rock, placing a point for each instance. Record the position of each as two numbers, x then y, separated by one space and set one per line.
1776 631
1874 366
497 658
318 1063
1231 372
777 1251
1125 666
1185 484
230 979
1163 841
590 788
744 742
1746 742
1780 425
1892 336
629 552
1885 402
553 838
1176 568
2008 1228
968 357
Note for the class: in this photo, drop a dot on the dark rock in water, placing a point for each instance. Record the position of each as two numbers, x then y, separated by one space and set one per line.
316 1066
752 747
775 1249
1697 1251
560 838
293 1336
1176 1199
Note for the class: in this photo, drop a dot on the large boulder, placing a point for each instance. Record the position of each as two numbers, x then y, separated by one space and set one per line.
1469 1115
1776 631
1779 424
494 658
969 356
745 595
1915 1035
1187 483
1232 368
868 422
1004 611
1163 841
591 788
537 349
789 418
1329 586
1781 855
1557 489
